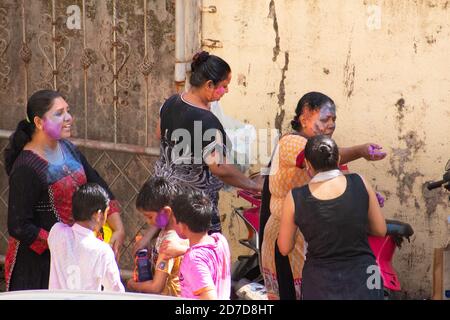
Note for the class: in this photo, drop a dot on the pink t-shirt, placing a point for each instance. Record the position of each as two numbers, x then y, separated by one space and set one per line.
206 266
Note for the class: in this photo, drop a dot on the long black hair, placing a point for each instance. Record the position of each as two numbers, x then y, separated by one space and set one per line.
38 104
206 67
312 101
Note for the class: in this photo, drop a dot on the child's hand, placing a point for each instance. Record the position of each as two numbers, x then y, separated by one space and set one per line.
172 249
138 245
131 284
144 240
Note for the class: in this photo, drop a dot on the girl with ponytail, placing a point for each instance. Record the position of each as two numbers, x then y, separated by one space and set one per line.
44 170
37 106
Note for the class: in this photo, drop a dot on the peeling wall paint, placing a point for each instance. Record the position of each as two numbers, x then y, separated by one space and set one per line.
279 118
398 160
349 73
385 64
273 15
433 199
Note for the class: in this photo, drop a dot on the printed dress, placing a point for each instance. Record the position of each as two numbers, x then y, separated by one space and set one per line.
286 173
40 194
188 135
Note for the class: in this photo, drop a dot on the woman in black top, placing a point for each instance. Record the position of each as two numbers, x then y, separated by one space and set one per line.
193 141
44 170
335 213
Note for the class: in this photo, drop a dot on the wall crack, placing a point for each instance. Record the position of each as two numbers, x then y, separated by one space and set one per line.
273 15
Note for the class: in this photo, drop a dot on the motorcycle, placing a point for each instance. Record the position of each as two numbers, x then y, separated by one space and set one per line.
246 276
384 248
445 179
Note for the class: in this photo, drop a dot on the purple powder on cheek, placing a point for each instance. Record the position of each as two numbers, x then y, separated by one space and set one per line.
162 219
319 128
53 129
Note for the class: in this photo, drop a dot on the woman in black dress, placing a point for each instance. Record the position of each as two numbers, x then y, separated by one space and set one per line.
44 170
335 213
194 144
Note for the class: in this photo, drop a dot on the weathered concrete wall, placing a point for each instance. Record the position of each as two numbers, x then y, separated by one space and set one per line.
388 77
386 65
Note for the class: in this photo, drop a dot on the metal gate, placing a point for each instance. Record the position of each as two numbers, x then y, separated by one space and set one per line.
113 61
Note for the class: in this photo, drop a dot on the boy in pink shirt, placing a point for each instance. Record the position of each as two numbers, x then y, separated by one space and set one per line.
205 269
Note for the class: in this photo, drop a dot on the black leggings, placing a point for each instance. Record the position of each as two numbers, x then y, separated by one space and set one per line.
285 278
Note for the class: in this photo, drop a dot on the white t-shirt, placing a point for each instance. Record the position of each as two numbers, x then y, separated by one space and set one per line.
80 261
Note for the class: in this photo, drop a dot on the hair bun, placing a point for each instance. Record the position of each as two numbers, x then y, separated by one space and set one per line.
295 123
198 59
325 148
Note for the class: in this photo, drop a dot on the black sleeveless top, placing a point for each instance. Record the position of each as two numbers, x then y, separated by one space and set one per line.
338 258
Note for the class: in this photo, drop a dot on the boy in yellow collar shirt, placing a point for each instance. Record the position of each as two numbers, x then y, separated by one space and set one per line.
153 201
